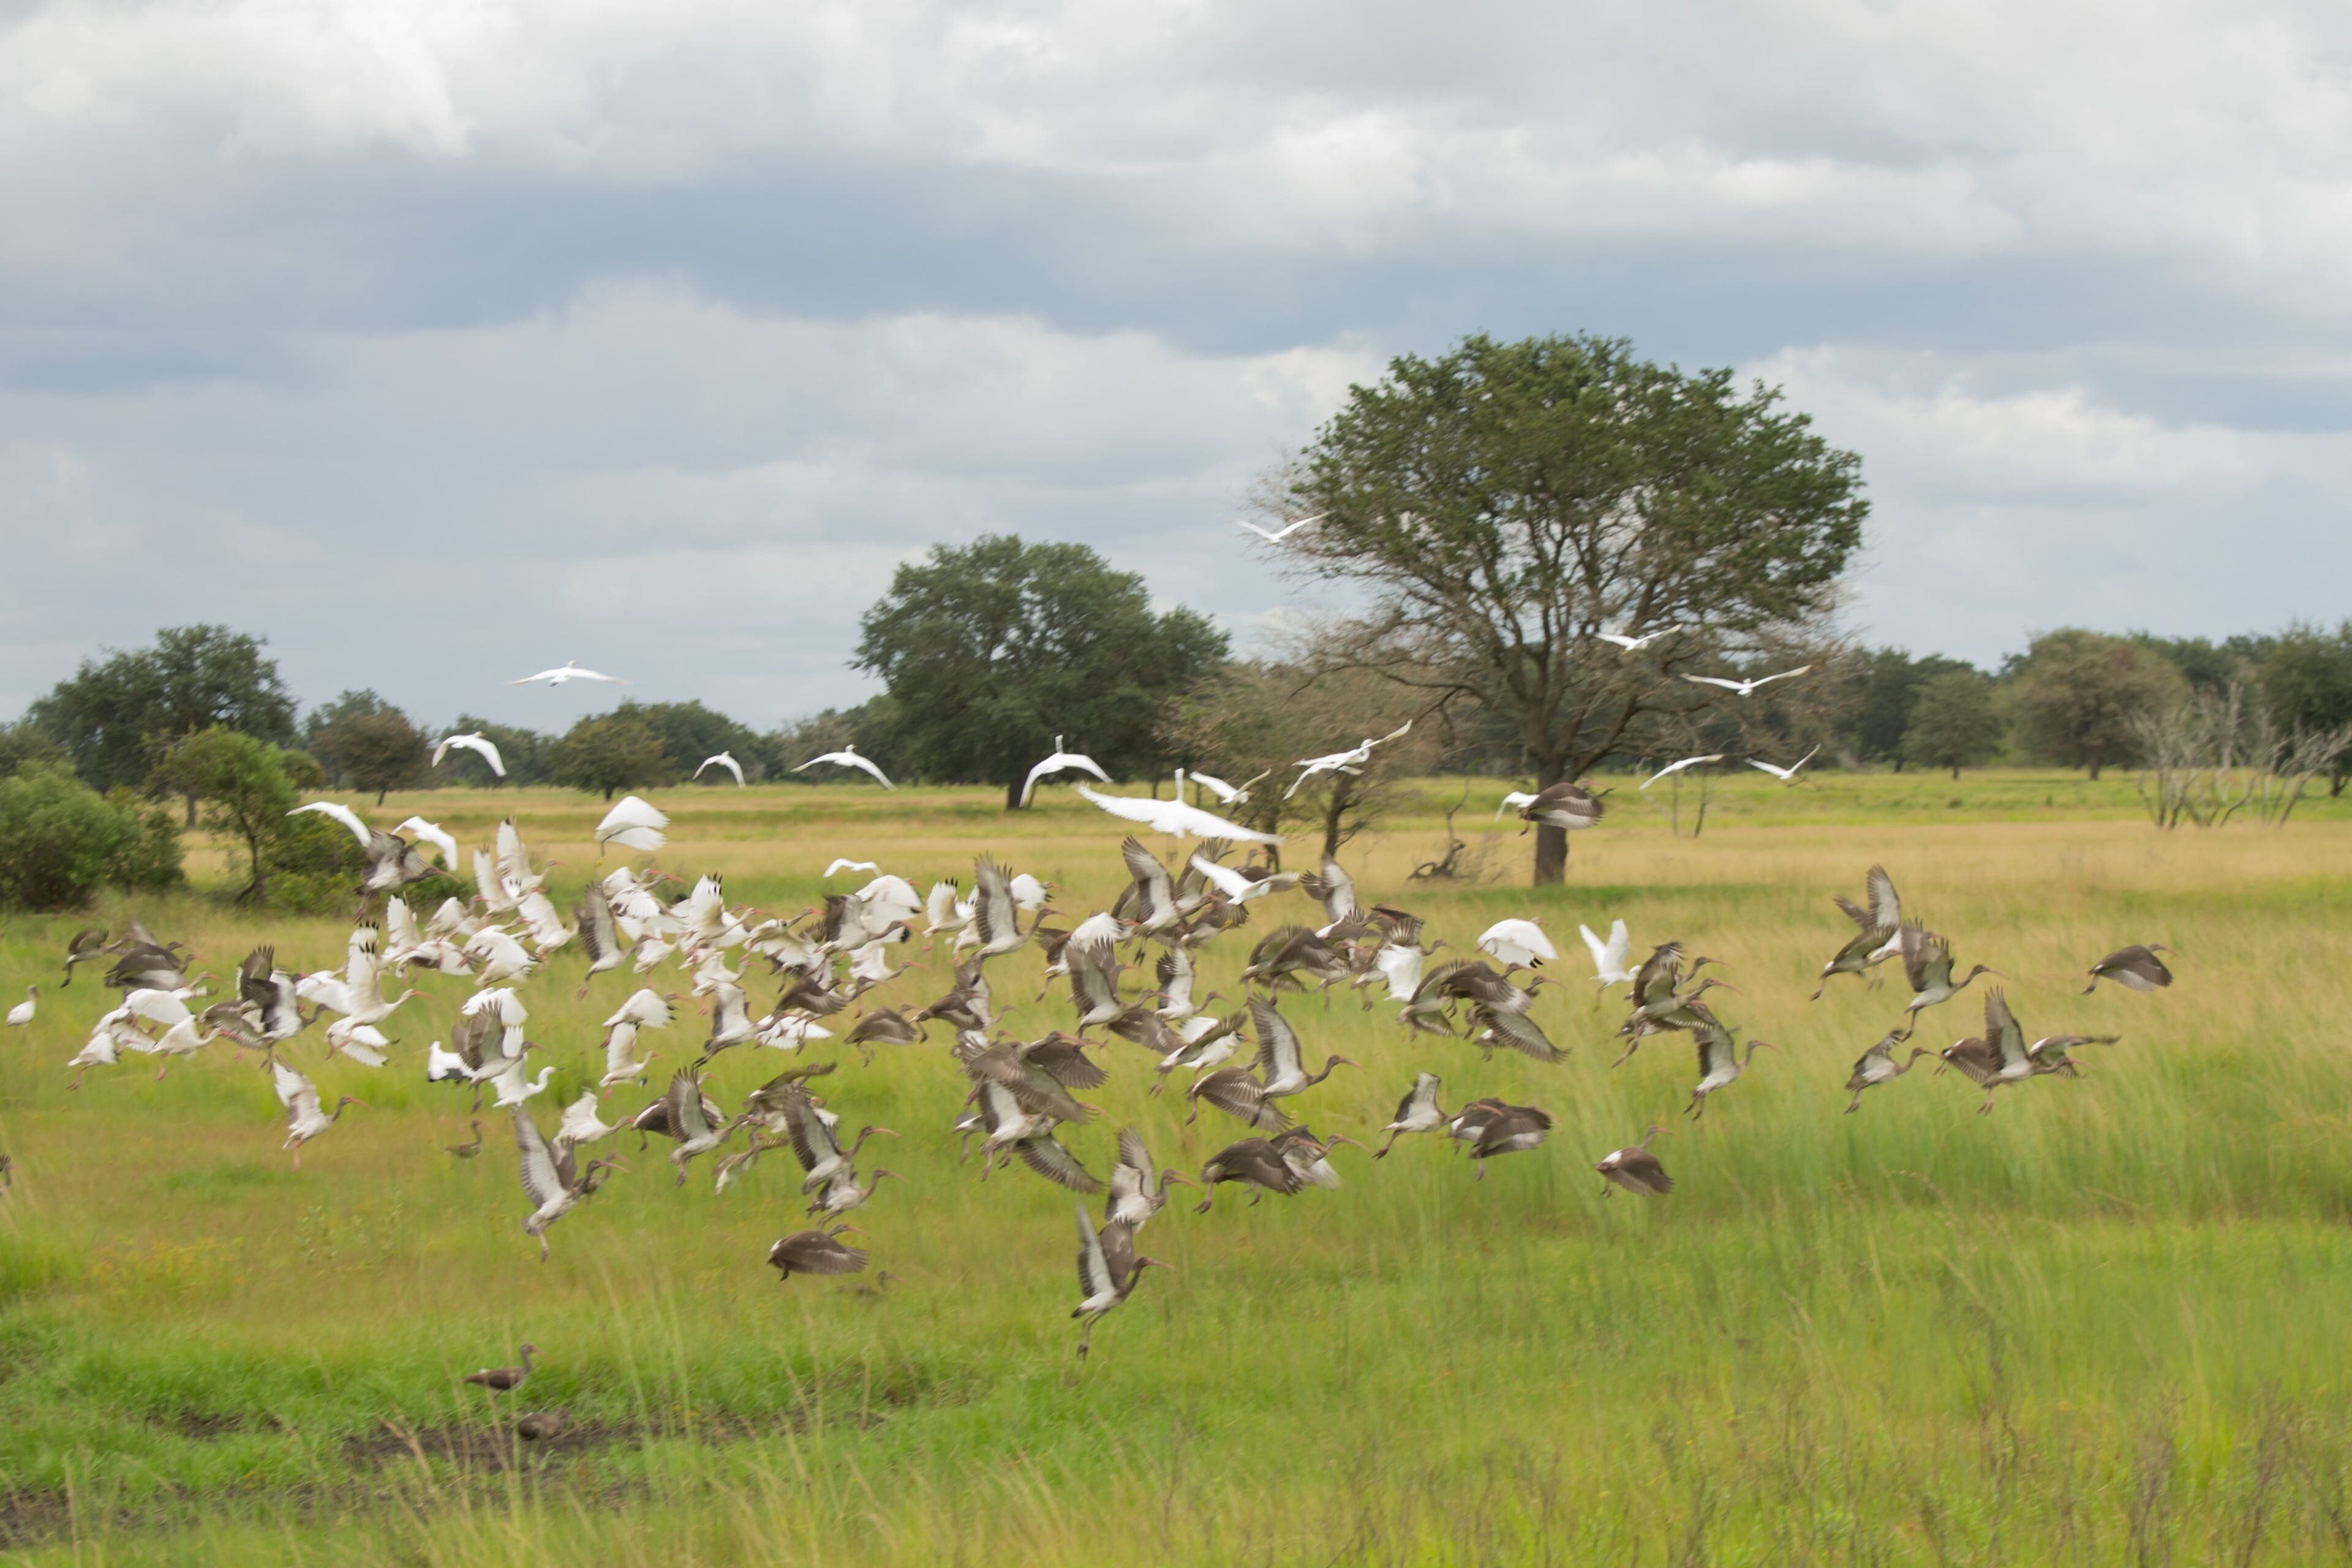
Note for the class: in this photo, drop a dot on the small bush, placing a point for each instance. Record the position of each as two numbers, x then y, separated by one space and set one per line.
60 842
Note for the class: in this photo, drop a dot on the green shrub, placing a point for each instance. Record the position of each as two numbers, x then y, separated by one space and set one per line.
60 842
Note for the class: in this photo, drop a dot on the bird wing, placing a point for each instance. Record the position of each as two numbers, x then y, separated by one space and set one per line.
855 761
1094 1271
1712 680
1917 947
1175 819
1628 644
1886 908
432 833
295 1092
485 748
1679 766
1784 675
1339 889
1066 1063
1150 876
1216 787
994 910
540 1182
340 812
1133 1155
813 1138
1225 879
1518 1032
1277 1042
2002 1031
687 1121
840 866
1057 1165
1046 769
1093 974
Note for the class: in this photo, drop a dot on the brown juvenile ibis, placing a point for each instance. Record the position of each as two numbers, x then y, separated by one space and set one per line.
1927 965
816 1252
1418 1111
1108 1268
1877 1066
504 1379
2135 967
1636 1169
1252 1162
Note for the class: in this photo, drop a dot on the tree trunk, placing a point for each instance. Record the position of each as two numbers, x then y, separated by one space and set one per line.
380 794
191 814
1012 795
1955 772
1551 843
608 791
1343 791
2094 770
257 889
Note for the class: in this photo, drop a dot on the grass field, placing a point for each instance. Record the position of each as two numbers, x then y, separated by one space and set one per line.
2104 1324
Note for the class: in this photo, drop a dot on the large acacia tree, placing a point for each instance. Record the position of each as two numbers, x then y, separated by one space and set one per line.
992 649
1508 501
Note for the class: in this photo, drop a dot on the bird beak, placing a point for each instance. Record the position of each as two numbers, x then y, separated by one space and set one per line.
1180 1176
884 1131
1338 1137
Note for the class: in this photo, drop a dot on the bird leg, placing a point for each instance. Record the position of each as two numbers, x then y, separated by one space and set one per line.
1855 1104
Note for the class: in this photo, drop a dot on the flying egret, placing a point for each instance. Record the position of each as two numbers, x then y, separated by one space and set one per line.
1745 687
847 757
1231 795
475 744
1060 762
1678 767
568 670
725 760
1608 957
1176 819
1634 644
1275 536
838 867
1787 773
1341 761
633 825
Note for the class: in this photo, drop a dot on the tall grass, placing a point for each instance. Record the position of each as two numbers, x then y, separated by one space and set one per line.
2102 1325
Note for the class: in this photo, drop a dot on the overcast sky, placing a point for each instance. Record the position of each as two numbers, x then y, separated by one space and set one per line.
441 341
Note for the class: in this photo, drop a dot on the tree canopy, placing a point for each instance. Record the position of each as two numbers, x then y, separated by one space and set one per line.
379 751
1953 723
609 752
990 649
1507 502
112 717
2079 695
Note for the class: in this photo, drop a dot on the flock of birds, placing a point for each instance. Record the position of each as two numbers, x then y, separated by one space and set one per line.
1019 1093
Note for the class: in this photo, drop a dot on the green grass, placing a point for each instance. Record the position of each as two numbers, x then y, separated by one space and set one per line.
2101 1325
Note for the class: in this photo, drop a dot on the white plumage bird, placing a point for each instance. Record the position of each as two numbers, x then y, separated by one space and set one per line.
633 824
838 867
847 757
1608 957
1519 943
1176 819
1787 773
478 744
725 760
433 833
22 1012
1231 795
1678 767
1059 762
305 1118
1241 889
567 671
1348 762
1747 687
1275 536
1634 644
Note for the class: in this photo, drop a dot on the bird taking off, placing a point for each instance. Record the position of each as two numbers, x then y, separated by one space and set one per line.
631 823
1061 761
475 744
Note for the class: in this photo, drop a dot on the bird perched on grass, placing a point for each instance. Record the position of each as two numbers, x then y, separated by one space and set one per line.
504 1379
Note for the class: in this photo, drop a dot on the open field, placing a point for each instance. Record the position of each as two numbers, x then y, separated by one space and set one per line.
2104 1324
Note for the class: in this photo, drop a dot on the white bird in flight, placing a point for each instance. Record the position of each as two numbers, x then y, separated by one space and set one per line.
1678 767
1060 762
568 670
1231 795
1745 687
474 743
847 757
1176 819
1519 943
1608 957
633 824
1784 774
1275 536
1635 644
725 760
838 867
434 833
1341 761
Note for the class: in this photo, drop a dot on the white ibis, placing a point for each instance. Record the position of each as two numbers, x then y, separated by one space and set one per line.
1635 1169
1175 819
475 743
1672 768
1877 1066
1252 1162
569 671
1629 644
581 1124
847 757
22 1012
1567 805
1418 1111
548 1179
1927 965
633 824
1787 774
1519 943
816 1252
304 1118
504 1379
1278 1054
725 760
1747 687
1277 535
2135 968
1878 934
1108 1268
838 867
1719 1061
1138 1189
1350 760
1608 957
1060 762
